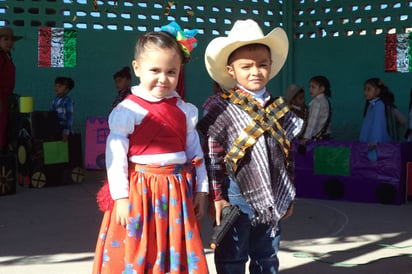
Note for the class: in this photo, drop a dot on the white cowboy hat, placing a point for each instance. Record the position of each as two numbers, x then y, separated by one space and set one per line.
244 32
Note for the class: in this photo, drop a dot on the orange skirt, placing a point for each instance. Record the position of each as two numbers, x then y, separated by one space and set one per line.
162 234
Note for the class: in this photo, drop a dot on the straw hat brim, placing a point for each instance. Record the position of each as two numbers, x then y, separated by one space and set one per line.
219 49
291 92
6 31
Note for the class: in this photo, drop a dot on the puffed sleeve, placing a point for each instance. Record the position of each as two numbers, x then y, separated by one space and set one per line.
122 121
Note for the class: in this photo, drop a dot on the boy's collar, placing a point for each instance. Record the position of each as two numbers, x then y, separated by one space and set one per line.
259 93
262 96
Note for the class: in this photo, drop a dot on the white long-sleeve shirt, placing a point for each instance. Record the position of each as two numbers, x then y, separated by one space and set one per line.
122 122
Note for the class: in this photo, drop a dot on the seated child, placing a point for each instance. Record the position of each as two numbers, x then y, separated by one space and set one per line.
122 80
63 105
295 97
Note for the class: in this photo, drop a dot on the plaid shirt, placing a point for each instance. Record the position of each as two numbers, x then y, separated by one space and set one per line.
64 108
215 153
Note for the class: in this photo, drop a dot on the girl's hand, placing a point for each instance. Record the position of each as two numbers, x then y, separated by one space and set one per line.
199 204
219 205
122 211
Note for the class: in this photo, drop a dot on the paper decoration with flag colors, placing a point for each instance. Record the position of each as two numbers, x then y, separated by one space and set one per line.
398 52
57 47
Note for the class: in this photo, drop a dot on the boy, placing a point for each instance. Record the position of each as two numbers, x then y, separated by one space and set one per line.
295 98
63 105
248 135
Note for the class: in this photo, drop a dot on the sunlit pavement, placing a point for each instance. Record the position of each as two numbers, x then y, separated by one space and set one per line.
53 230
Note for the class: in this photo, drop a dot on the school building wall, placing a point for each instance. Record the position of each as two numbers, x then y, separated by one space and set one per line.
344 40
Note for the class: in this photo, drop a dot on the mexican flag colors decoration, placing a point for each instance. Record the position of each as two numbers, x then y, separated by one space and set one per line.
57 47
398 52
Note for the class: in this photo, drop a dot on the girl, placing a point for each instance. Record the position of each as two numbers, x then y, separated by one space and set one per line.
374 126
7 80
152 226
320 112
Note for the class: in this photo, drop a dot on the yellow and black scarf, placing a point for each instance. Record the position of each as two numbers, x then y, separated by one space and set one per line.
256 140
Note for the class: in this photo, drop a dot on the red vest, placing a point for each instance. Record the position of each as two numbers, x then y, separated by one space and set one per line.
162 130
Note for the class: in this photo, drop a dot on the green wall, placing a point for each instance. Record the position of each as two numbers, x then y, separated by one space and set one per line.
347 60
100 53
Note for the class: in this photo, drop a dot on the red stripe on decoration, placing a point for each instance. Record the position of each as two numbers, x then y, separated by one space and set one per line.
44 47
390 53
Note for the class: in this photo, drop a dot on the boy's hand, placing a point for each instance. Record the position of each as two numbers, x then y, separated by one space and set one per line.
219 205
289 212
199 204
122 211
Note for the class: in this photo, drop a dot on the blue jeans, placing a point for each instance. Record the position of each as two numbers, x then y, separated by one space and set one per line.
244 240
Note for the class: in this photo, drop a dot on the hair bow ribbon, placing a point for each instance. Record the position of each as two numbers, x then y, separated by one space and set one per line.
186 39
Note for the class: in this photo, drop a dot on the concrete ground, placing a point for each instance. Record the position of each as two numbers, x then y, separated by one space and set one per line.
53 231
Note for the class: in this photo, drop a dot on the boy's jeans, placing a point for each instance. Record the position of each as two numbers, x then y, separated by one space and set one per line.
244 241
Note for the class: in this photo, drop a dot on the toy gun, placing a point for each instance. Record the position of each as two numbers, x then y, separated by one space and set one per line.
227 218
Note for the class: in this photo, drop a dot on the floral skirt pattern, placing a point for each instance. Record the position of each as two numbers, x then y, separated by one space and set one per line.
162 234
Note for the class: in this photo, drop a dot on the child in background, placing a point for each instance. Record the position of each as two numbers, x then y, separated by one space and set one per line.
122 79
394 118
7 80
152 146
217 91
295 97
374 126
320 112
63 105
246 118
